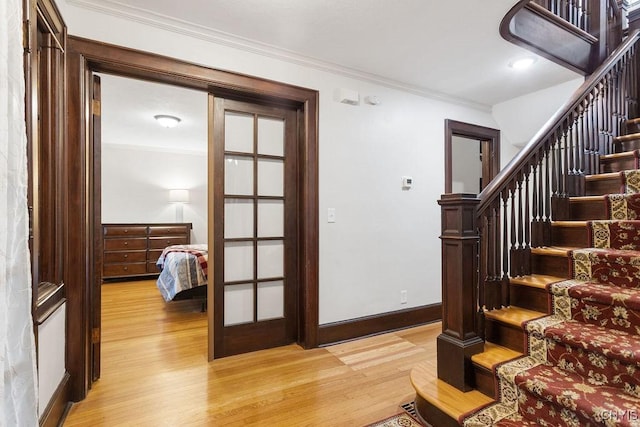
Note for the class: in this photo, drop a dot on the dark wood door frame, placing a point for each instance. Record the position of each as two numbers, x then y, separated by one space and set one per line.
490 139
86 57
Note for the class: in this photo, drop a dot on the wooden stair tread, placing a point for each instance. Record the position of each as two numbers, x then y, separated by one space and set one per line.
617 155
602 176
539 281
513 315
443 396
579 199
628 137
494 354
552 251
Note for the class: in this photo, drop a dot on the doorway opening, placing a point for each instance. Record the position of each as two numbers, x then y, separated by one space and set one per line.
85 58
472 157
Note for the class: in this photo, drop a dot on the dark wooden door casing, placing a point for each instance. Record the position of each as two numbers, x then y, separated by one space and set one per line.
85 57
490 148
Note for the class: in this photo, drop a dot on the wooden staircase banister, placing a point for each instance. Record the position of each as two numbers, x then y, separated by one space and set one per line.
490 238
520 161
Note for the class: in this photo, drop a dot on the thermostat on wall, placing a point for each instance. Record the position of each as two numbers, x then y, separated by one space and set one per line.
407 182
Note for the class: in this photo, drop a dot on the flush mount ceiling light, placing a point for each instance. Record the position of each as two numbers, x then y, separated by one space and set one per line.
522 63
167 121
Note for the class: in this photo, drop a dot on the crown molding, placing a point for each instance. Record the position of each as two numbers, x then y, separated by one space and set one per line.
178 26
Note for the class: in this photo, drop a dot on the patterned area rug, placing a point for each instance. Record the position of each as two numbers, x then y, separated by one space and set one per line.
398 420
408 418
582 366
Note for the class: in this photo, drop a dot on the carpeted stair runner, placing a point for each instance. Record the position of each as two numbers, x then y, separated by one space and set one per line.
582 366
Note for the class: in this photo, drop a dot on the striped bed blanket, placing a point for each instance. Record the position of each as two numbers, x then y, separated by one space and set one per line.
182 267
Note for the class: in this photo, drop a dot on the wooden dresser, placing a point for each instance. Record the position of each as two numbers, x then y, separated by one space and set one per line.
133 249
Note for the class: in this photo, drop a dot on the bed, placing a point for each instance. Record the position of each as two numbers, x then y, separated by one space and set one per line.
183 272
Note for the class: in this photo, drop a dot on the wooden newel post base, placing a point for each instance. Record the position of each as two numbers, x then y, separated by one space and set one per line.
459 339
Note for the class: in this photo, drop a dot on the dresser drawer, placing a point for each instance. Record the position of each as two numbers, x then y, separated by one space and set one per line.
154 254
121 256
163 242
152 268
168 230
123 230
125 244
115 270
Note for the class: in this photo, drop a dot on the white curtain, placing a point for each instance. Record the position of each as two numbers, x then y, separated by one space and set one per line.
17 356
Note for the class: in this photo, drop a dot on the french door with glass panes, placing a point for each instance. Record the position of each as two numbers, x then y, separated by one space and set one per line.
254 226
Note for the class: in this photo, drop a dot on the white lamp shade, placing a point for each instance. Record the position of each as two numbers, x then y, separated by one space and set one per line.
179 196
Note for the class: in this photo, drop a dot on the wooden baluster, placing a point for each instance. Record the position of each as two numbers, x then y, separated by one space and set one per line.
515 262
535 223
526 223
459 339
505 234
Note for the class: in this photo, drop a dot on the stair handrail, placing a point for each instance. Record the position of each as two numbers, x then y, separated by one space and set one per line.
521 160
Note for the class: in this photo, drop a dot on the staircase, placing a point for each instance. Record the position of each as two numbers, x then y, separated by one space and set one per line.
545 328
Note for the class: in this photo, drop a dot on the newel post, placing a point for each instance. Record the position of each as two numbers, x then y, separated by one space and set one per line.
459 340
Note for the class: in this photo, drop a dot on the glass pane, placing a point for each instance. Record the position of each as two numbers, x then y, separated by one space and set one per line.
271 136
270 259
270 177
238 132
270 300
238 218
238 175
238 261
238 304
270 218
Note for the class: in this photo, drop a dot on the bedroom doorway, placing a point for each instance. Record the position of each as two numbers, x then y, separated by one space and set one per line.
86 57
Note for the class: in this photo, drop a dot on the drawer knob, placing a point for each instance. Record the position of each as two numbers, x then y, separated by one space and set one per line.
126 243
126 268
126 255
126 231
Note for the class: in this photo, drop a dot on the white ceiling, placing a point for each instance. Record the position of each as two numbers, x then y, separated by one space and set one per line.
433 47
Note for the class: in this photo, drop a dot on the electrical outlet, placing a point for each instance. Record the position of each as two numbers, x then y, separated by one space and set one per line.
403 297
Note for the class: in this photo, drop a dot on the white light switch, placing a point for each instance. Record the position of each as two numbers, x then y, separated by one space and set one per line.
331 215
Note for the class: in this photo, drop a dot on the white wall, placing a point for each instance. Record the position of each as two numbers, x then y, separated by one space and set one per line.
51 356
136 182
384 239
520 118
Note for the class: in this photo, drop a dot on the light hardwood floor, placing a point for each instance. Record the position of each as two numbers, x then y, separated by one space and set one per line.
155 372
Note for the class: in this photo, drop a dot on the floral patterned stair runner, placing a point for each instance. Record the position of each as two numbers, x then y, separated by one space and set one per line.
621 234
583 362
623 206
630 181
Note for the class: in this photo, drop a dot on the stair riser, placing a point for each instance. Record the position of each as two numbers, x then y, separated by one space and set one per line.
506 335
484 381
617 165
530 298
603 186
550 265
569 236
623 146
588 210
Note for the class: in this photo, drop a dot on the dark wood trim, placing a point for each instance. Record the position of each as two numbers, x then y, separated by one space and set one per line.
59 405
379 323
431 415
490 139
88 56
50 298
